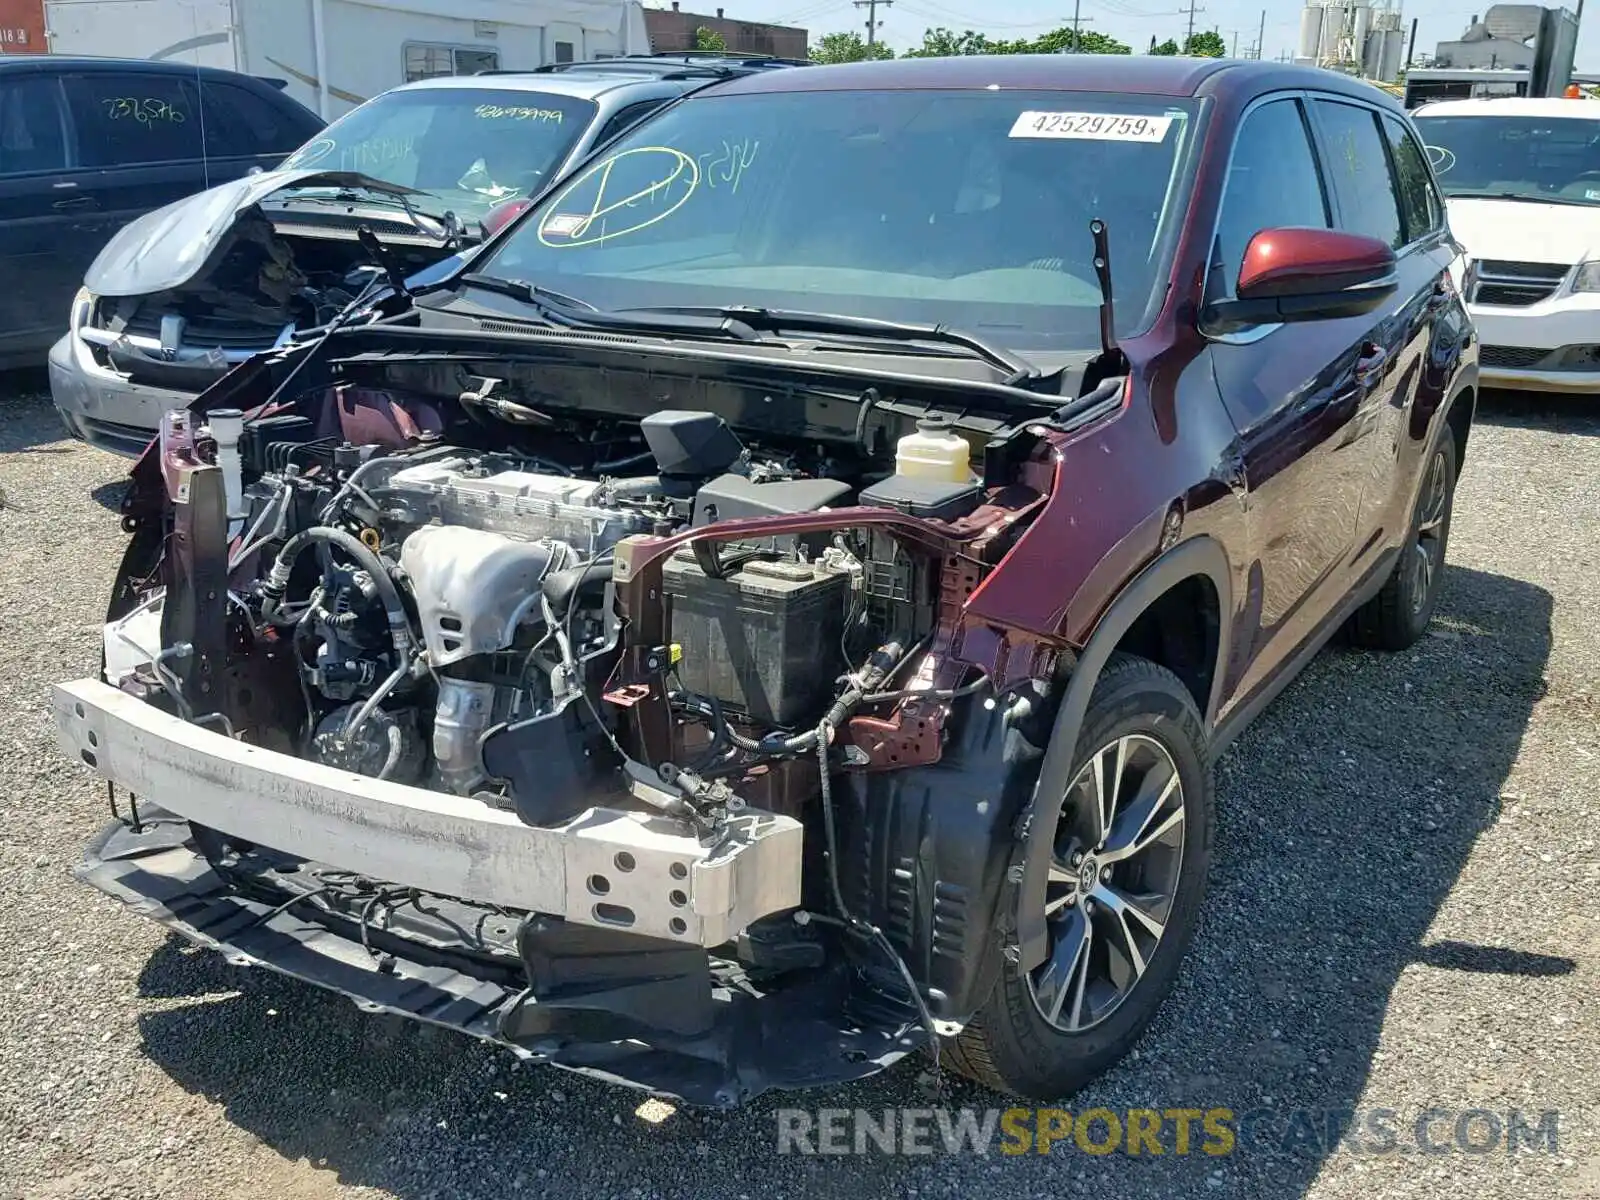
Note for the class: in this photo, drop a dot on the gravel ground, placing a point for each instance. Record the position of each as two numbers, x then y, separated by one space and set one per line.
1401 917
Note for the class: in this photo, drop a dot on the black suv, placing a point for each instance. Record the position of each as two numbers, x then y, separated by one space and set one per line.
87 145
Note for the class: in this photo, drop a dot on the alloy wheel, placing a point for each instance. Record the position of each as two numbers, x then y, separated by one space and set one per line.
1112 881
1427 551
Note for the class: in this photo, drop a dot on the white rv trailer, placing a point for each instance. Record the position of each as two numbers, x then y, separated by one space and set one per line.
336 54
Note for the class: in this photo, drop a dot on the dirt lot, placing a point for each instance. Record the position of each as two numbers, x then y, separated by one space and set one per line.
1402 917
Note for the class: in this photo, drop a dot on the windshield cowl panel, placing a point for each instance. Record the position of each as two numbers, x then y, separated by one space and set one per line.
806 353
967 209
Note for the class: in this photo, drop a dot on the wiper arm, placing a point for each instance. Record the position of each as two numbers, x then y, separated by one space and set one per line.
450 231
570 312
1017 368
528 293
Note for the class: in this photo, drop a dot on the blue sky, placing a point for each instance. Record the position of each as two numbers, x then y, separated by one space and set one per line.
1130 21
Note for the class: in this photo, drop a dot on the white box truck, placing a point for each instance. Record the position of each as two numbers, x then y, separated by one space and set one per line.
336 54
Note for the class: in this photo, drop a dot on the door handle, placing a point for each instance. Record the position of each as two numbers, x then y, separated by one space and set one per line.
1371 363
75 202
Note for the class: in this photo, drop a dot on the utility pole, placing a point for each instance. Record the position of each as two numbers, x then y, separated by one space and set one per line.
872 16
1261 37
1189 37
1234 53
1077 19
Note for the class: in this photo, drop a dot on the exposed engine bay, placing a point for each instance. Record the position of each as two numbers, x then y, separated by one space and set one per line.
438 602
273 273
634 729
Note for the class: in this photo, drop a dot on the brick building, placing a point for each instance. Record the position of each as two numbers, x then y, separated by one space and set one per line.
672 29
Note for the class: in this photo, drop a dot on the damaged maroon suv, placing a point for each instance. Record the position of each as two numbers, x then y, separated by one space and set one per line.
776 609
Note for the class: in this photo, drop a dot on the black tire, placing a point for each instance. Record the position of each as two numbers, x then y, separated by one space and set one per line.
1399 614
1011 1045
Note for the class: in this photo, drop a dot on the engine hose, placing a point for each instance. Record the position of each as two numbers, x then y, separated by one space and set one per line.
277 581
359 718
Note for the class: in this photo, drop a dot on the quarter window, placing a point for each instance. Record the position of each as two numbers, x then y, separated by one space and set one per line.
1359 170
1419 202
1272 183
129 119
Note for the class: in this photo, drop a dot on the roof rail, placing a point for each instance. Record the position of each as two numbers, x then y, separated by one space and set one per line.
692 64
655 70
725 57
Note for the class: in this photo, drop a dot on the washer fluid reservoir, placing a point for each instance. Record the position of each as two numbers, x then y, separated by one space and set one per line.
934 452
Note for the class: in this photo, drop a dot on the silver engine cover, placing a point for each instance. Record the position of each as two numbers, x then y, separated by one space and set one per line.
470 585
519 503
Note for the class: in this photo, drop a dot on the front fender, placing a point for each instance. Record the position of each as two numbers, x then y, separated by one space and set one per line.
1198 556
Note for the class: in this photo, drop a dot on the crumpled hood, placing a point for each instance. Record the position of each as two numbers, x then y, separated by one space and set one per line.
1524 230
166 248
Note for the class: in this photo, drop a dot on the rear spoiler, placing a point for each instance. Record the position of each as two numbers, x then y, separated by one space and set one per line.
280 84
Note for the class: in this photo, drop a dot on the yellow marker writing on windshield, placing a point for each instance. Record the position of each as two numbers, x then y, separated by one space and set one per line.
578 229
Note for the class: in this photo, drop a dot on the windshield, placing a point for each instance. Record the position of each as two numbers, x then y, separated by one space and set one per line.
468 148
1535 158
969 209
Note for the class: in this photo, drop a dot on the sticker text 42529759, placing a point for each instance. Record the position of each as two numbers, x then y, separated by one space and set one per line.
1098 127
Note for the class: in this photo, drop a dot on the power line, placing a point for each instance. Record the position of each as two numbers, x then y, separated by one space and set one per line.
933 12
806 13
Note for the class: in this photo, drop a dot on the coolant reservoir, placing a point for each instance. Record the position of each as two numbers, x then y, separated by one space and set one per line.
934 452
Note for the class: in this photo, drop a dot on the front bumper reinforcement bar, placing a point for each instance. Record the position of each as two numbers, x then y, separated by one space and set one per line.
626 871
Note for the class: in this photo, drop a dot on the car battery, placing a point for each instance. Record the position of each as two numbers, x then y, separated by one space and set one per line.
764 641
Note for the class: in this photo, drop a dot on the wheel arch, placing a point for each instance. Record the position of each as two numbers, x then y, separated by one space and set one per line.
1458 416
1200 558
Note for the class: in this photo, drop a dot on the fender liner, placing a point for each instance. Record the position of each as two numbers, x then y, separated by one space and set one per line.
1198 556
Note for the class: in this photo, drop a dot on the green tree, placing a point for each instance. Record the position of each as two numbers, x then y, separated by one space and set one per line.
847 47
1064 41
947 43
709 39
1168 48
1206 44
944 43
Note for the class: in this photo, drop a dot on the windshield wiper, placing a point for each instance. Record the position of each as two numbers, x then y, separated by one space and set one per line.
1017 368
1528 197
528 293
569 312
450 230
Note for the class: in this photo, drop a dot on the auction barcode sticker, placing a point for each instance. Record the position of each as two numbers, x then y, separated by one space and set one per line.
1099 127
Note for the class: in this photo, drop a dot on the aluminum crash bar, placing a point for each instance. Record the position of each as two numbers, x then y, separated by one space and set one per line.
629 871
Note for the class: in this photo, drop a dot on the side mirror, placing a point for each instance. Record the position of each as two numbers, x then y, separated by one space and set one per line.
1307 275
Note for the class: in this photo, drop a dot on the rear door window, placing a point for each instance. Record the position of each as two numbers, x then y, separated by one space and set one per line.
128 119
32 126
1419 202
1358 167
1273 183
